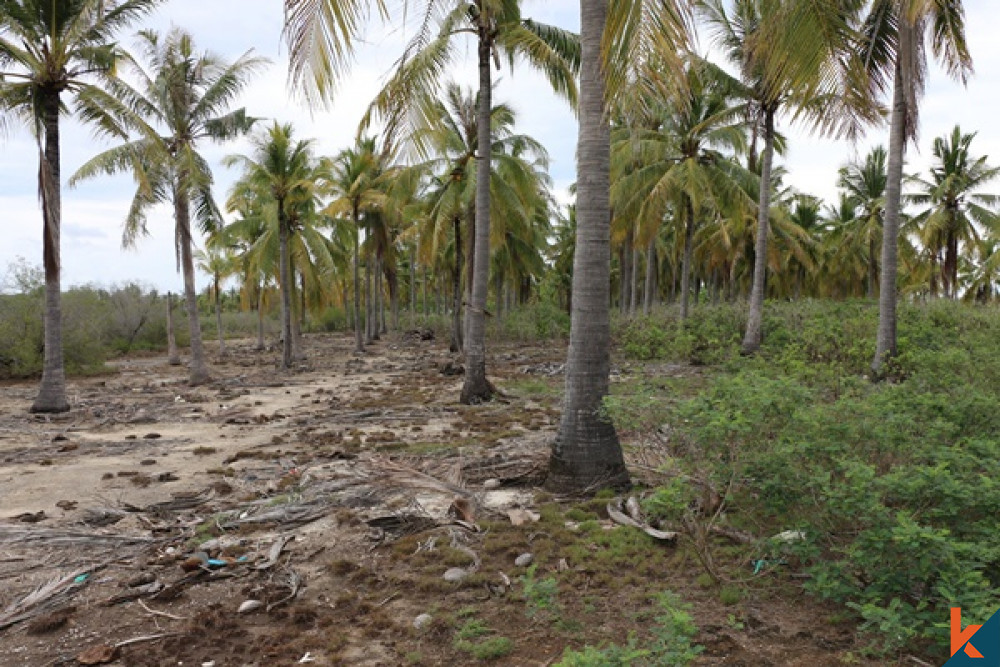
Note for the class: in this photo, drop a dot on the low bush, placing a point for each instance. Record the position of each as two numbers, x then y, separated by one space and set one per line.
892 485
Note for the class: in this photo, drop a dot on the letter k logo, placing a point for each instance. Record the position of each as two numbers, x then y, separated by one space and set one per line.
959 638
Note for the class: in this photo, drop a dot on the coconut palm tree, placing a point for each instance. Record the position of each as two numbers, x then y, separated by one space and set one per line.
449 137
955 209
895 36
499 28
281 168
358 179
679 166
865 186
50 49
220 264
183 99
752 34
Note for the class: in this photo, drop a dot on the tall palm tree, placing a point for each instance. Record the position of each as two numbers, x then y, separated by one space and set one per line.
218 263
50 48
281 167
499 28
183 98
678 165
956 210
751 36
586 451
450 137
865 186
358 179
895 37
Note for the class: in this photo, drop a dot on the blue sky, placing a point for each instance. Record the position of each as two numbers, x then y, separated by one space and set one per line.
92 213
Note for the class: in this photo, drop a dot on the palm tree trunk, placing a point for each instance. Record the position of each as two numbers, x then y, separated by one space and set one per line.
182 211
647 296
173 354
686 262
625 269
260 318
426 280
299 315
369 337
470 267
218 315
872 269
633 283
413 282
885 347
376 295
456 284
753 336
52 390
498 288
284 268
359 343
476 387
586 453
951 264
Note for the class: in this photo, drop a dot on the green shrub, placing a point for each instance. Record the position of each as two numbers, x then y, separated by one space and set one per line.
891 483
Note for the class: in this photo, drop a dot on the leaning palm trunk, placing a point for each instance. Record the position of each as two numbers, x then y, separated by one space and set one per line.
52 391
476 387
218 318
284 267
753 336
198 368
173 354
886 345
359 342
586 453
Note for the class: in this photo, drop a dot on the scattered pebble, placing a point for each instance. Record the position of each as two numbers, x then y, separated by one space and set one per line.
455 575
249 606
422 621
524 560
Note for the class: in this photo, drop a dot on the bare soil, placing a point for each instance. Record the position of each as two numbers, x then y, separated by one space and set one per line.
335 497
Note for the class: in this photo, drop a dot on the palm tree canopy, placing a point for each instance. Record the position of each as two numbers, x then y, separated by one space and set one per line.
182 97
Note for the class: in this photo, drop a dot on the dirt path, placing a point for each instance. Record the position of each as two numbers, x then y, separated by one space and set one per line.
334 498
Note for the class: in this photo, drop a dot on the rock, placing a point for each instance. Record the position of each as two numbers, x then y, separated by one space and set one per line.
152 436
249 606
98 655
455 575
422 621
524 560
519 517
147 462
491 484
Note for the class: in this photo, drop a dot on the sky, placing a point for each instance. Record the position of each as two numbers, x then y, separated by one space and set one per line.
94 211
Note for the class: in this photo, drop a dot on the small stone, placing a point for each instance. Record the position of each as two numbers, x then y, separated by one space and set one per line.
422 621
152 436
455 575
249 606
524 560
147 462
491 484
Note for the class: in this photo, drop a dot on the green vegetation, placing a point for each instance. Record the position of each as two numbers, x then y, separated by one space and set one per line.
668 642
889 483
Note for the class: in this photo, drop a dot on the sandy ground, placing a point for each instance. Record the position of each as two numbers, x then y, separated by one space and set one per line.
331 496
